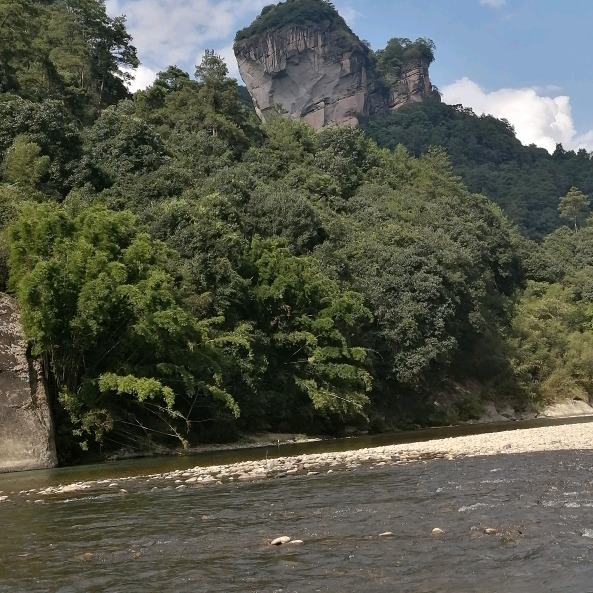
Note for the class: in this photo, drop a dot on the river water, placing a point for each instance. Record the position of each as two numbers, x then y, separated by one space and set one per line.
157 538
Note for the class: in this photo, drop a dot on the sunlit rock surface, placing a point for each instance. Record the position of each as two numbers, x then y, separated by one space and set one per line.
321 74
26 431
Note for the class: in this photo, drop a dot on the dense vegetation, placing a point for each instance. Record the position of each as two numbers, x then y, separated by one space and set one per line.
68 50
291 12
525 181
185 272
400 51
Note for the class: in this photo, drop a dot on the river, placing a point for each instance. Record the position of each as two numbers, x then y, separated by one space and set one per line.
160 537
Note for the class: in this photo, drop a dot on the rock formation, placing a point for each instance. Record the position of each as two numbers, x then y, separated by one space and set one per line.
319 71
26 431
413 86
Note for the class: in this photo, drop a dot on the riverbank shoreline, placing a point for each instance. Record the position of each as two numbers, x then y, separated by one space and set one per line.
530 440
491 415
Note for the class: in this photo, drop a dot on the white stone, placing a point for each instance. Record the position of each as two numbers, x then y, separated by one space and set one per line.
280 540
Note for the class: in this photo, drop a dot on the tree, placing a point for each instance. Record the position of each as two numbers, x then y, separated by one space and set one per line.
310 323
102 311
18 27
23 164
50 126
573 205
118 145
67 49
222 112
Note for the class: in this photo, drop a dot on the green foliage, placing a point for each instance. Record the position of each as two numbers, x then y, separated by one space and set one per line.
23 164
119 145
69 49
180 106
102 312
525 181
50 126
553 343
185 271
293 12
307 320
573 205
399 52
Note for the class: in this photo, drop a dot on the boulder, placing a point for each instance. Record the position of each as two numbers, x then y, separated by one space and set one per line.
26 429
280 540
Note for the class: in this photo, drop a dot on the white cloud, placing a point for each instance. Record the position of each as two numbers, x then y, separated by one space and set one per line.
493 3
143 78
168 32
537 119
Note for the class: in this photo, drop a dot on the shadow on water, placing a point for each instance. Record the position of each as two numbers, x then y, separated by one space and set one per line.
513 523
162 464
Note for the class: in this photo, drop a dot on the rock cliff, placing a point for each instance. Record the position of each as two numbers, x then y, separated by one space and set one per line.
26 431
318 70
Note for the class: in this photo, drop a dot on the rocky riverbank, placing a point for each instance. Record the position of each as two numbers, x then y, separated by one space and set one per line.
550 438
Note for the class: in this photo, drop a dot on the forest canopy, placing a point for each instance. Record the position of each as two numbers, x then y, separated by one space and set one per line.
186 272
399 52
293 12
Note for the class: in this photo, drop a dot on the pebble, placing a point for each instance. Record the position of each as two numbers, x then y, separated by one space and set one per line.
386 534
296 542
490 531
280 540
3 498
549 438
437 531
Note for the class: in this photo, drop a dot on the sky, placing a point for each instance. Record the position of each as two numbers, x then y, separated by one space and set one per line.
528 61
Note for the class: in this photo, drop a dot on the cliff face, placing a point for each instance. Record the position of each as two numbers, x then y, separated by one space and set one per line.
320 74
26 432
303 70
413 86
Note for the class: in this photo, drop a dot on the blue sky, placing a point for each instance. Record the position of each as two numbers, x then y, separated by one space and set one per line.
526 60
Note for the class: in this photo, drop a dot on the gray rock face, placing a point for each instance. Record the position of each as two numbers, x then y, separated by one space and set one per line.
316 73
26 431
413 87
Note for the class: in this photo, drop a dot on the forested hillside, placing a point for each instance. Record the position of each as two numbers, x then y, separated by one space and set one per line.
185 272
525 181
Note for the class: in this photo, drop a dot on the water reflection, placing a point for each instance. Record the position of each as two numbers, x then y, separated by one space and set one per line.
118 469
216 538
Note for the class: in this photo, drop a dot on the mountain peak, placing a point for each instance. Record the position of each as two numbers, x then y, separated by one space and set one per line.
300 57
